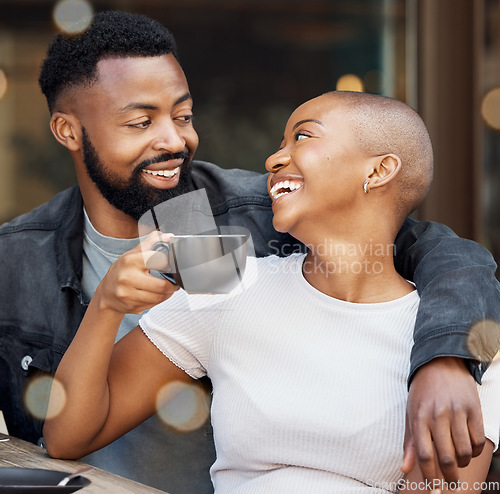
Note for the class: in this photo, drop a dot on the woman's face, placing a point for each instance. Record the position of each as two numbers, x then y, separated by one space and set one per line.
315 177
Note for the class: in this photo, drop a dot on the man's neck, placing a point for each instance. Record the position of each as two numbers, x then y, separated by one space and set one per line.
111 222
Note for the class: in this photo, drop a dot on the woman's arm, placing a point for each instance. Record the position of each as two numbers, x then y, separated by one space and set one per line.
110 389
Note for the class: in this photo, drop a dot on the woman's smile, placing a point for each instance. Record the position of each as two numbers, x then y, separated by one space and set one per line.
285 187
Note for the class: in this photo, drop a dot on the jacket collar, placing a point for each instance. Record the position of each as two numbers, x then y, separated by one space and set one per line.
68 241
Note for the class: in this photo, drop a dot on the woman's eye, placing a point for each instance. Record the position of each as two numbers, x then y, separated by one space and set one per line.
300 135
141 125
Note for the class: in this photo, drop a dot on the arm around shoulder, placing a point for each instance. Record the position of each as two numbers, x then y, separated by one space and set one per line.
455 278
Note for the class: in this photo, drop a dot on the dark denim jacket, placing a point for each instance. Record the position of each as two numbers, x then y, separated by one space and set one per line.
41 300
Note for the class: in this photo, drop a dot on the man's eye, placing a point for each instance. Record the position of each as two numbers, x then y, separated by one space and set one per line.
185 119
141 125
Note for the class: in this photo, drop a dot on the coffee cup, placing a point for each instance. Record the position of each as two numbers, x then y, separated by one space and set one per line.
204 263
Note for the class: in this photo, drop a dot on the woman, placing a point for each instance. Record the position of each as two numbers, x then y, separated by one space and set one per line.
286 417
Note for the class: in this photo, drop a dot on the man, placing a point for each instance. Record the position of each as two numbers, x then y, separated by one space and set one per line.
120 104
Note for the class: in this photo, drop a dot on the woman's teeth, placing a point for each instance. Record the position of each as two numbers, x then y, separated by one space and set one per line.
284 187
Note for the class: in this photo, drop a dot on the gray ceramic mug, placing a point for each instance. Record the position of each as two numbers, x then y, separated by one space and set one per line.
205 263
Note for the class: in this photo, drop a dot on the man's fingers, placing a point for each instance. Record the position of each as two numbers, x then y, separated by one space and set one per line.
155 237
137 299
140 286
476 431
155 260
461 439
444 409
424 449
445 450
130 274
409 456
150 240
150 259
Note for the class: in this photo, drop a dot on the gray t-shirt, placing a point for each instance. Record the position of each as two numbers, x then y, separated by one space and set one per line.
152 453
99 253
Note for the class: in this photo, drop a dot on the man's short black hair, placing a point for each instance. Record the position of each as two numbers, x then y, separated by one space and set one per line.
72 60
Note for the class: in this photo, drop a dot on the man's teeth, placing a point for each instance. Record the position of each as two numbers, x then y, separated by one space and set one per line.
284 187
163 173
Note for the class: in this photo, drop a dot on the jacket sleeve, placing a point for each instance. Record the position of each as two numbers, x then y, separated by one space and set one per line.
455 278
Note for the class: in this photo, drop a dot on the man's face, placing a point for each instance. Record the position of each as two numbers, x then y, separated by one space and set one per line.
137 133
133 196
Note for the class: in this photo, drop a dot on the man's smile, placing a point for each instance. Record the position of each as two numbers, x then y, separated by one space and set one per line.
163 173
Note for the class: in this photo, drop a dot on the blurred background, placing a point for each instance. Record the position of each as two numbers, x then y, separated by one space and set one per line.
249 63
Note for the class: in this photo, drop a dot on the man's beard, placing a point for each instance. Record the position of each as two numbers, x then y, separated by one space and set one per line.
133 196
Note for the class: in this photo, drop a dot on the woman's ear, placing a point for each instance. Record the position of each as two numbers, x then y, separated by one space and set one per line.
384 171
66 130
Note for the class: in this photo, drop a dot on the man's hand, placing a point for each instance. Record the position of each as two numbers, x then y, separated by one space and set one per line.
128 287
444 424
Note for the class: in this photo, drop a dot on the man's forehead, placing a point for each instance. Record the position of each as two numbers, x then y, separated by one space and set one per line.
116 67
138 81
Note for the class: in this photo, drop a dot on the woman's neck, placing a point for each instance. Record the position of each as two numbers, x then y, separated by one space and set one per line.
358 270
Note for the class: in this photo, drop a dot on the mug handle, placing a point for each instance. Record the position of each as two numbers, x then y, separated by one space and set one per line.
165 248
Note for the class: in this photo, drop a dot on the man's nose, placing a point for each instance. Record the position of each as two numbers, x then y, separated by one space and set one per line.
169 139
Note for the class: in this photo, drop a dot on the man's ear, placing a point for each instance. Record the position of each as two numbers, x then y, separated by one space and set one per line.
384 170
66 130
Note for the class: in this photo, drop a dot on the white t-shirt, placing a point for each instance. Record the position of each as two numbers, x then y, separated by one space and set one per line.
309 391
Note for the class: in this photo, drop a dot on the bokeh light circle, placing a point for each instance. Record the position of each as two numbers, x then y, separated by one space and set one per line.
182 406
36 397
3 83
350 82
73 16
483 340
490 108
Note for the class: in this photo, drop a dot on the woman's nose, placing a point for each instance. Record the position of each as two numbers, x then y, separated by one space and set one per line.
277 161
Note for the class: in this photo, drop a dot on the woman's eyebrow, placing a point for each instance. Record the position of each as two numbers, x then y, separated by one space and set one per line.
307 120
